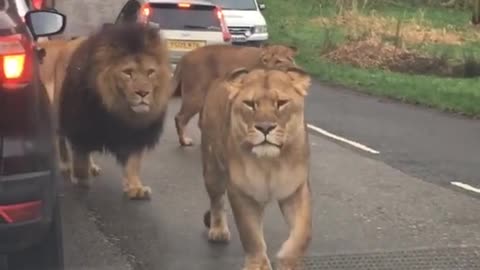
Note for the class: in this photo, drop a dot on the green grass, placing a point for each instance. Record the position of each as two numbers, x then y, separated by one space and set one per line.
289 23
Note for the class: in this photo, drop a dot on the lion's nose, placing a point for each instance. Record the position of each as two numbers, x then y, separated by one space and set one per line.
265 127
142 93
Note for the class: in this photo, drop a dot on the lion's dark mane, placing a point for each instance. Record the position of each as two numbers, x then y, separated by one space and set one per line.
82 118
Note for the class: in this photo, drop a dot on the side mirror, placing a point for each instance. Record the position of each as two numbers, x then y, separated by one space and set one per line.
45 22
262 6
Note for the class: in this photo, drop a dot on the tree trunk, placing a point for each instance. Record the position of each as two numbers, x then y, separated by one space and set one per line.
476 12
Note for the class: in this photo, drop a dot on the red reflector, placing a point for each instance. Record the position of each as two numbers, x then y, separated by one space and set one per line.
21 212
183 5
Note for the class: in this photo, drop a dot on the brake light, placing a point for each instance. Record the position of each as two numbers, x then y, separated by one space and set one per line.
15 61
37 4
21 212
145 12
183 5
223 24
13 66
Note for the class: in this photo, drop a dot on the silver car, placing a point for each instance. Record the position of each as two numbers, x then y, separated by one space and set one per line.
186 25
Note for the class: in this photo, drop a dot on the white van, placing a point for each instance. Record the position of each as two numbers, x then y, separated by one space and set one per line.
245 21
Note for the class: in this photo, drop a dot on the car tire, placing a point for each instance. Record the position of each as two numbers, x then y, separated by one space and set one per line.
46 255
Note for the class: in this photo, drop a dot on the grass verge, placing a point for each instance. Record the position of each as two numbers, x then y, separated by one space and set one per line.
290 21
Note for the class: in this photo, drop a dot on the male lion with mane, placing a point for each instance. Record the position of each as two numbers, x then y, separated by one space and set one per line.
255 149
201 66
114 98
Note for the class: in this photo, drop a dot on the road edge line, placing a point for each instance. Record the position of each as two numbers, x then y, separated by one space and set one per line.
338 138
466 187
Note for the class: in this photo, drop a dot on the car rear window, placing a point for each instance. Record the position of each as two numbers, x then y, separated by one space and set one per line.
193 18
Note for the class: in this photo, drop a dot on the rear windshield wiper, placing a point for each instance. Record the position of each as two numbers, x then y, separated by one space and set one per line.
190 26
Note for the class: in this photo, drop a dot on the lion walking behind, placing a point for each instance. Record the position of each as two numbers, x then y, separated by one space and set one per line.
255 150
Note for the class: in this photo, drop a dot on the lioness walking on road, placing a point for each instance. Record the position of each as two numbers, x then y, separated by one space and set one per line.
255 148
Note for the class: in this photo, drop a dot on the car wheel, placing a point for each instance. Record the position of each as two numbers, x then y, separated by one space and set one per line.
46 255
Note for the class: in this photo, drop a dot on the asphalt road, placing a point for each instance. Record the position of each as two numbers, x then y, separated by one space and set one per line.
435 146
363 203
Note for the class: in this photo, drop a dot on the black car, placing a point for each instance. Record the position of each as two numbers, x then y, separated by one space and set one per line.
30 224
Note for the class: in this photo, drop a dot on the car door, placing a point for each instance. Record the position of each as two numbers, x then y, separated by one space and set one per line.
129 11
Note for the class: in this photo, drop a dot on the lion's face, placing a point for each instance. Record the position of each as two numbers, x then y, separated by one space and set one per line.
134 82
137 80
277 55
267 108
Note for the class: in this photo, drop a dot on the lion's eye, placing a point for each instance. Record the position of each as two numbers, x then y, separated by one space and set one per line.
150 72
250 104
281 103
128 72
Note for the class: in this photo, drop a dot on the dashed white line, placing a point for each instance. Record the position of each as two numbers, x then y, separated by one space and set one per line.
466 186
338 138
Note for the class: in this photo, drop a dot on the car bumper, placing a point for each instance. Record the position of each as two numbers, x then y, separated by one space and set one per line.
22 188
253 40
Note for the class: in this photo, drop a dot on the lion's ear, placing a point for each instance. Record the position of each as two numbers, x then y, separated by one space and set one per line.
234 81
300 78
263 58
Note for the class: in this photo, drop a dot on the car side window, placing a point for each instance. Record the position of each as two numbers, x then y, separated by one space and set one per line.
129 12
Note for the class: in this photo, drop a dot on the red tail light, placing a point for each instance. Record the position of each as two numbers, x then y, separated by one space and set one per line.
21 212
145 12
226 34
37 4
15 58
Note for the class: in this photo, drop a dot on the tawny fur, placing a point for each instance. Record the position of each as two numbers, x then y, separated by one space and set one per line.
114 98
201 66
57 55
52 72
255 150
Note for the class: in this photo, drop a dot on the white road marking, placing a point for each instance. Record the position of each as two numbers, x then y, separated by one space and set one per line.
465 186
338 138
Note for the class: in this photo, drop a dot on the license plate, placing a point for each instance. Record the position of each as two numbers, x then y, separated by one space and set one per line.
239 38
184 45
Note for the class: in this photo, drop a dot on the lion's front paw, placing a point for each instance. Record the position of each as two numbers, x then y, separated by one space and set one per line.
139 193
219 234
186 141
95 170
262 263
